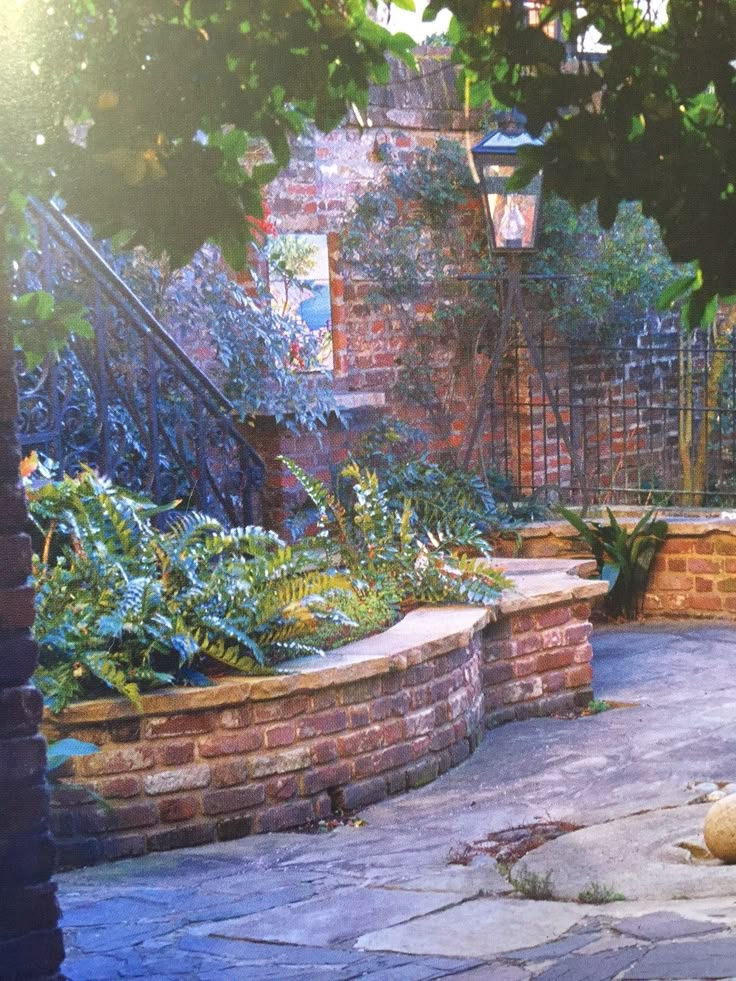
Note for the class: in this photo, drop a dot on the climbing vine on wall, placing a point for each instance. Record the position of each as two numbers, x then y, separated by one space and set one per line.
407 240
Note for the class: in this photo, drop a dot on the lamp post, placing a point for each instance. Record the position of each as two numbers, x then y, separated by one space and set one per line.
512 220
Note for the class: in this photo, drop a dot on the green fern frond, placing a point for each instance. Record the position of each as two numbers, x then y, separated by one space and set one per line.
102 667
287 630
287 592
188 527
228 654
321 497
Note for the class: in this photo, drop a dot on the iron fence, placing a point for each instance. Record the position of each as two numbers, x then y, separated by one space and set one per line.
651 423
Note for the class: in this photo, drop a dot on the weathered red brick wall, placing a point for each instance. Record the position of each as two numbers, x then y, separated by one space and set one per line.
537 662
693 574
315 194
605 395
266 754
190 776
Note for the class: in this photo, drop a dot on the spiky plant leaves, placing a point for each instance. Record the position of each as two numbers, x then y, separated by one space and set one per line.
382 546
623 557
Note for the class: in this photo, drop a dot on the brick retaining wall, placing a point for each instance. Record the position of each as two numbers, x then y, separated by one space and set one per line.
693 574
537 663
380 716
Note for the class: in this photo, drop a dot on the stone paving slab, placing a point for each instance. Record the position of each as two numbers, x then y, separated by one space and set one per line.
639 857
592 967
333 917
175 915
680 961
664 926
483 927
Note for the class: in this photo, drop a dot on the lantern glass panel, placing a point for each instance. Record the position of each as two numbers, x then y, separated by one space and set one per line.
513 215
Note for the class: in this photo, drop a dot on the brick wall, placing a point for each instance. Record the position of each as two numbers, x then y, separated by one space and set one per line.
195 775
315 194
538 663
601 391
693 574
385 715
31 943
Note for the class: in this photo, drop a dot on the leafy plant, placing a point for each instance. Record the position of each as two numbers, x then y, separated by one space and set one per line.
648 121
125 606
63 750
597 705
532 885
407 237
442 495
382 547
597 895
244 341
441 492
367 612
514 508
623 557
41 323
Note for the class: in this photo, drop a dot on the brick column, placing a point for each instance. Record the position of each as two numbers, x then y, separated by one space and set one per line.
31 945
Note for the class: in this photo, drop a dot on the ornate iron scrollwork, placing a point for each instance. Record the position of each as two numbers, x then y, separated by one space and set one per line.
128 402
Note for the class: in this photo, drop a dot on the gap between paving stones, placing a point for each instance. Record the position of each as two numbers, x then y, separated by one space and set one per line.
521 773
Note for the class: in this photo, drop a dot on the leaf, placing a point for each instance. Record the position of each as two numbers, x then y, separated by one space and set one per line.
675 292
64 749
610 574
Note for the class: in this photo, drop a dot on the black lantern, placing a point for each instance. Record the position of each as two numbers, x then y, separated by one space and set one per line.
512 216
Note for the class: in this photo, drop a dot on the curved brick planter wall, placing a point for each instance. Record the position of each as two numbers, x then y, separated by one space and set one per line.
694 574
336 733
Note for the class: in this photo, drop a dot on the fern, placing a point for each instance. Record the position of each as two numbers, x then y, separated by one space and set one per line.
330 508
113 676
228 654
384 549
125 606
155 607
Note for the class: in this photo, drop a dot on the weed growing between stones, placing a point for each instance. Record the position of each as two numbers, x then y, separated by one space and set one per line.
597 894
597 705
461 854
533 886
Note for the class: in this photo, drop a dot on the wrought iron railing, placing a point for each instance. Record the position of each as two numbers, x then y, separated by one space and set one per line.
128 402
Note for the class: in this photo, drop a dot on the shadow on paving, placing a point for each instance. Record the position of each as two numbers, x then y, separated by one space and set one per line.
381 900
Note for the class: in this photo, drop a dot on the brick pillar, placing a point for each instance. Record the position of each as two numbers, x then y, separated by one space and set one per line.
31 945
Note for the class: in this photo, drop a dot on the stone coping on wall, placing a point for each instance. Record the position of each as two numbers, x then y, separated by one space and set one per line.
421 635
678 524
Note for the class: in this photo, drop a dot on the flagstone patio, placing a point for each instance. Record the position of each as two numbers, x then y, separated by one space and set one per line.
381 900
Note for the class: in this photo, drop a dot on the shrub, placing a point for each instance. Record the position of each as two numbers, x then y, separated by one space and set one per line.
381 546
442 494
367 612
126 606
249 345
623 558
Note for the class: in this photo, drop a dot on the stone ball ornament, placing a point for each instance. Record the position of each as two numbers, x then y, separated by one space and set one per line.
720 829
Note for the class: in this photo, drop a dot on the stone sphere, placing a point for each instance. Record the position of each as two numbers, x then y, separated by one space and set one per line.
720 829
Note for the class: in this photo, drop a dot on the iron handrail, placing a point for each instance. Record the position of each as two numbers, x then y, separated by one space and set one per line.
117 290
